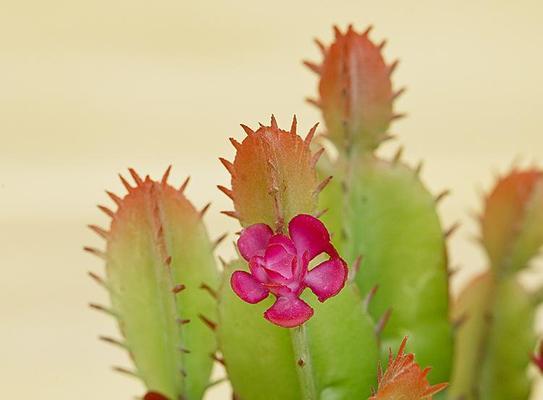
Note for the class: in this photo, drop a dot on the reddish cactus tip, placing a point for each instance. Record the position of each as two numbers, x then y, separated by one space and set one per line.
355 90
537 358
405 379
279 264
154 396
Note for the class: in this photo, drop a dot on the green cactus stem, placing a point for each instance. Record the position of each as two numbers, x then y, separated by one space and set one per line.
159 270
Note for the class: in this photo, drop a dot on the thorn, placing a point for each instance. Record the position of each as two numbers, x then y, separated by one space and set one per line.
393 67
380 326
135 176
398 93
418 168
99 307
178 288
368 30
99 231
369 297
382 45
442 195
106 210
115 198
182 321
398 116
208 289
451 230
235 143
110 340
97 279
168 260
222 261
387 137
95 252
398 155
219 240
185 351
220 360
226 191
322 185
315 158
125 371
337 32
183 372
273 122
126 184
204 210
458 322
232 214
311 134
313 67
355 268
313 102
184 185
164 180
261 125
210 324
321 213
247 130
227 164
321 47
301 363
293 125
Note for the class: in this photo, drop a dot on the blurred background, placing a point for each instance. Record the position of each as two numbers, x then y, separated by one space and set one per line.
89 88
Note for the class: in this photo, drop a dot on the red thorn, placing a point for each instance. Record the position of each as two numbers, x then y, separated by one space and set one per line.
184 185
311 134
115 198
398 93
126 184
204 210
369 297
232 214
99 307
95 252
99 231
273 122
301 363
208 289
442 195
393 67
247 130
418 168
367 31
235 143
337 32
135 176
178 288
228 165
168 260
166 175
313 67
182 321
398 116
97 279
110 340
183 350
322 185
321 213
398 155
226 191
316 157
321 46
382 45
293 125
380 326
210 324
356 266
106 210
123 370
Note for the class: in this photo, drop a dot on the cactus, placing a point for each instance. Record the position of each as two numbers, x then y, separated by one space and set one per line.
494 306
386 215
334 354
158 266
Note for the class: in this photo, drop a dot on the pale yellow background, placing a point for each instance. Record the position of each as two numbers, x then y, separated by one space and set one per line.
90 88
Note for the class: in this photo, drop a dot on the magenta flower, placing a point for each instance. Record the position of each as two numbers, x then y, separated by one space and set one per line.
279 265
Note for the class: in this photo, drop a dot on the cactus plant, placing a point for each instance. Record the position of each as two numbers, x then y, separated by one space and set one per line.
495 306
386 215
158 266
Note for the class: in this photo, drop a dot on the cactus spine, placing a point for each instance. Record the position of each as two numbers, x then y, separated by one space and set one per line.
158 257
386 215
496 338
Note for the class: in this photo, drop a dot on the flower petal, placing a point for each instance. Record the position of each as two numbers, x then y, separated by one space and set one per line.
256 266
327 278
247 287
279 255
288 312
253 240
310 235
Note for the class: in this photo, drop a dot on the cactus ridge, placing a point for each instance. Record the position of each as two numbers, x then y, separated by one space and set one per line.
146 256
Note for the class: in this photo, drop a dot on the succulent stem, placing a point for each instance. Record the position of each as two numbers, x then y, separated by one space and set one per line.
303 359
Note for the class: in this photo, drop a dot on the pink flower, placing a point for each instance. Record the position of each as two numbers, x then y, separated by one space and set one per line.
279 265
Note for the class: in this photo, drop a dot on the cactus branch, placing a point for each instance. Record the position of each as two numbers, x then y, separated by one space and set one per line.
304 366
